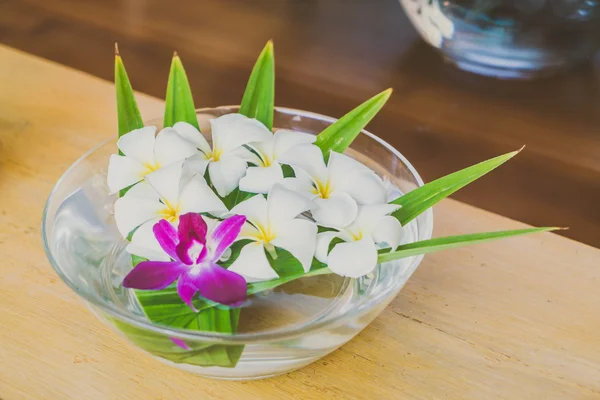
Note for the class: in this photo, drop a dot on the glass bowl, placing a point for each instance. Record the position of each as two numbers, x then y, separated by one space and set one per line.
280 330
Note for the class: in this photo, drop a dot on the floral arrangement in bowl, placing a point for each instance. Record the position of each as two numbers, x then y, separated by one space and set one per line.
201 229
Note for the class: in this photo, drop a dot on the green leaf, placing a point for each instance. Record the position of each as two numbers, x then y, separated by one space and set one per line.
128 114
450 242
339 135
179 103
417 201
259 98
285 264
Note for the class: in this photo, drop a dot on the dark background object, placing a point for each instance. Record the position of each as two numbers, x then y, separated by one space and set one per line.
330 56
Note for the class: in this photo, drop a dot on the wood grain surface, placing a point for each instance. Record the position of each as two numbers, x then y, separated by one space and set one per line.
332 55
516 319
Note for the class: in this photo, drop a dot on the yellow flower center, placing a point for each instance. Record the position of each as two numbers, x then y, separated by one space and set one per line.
323 190
170 213
264 234
215 155
150 167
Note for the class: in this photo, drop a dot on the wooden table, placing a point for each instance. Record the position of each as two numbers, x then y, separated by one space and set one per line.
517 319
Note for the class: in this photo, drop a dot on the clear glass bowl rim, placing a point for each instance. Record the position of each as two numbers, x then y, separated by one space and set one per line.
245 338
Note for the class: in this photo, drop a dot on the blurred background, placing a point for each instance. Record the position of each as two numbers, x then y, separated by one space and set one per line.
333 54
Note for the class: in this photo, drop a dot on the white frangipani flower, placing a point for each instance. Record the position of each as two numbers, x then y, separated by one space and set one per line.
163 195
336 188
145 153
267 172
272 223
357 255
227 159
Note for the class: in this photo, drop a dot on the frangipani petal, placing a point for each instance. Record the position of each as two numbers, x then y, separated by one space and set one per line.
131 212
197 164
170 147
323 241
226 233
337 211
308 158
261 179
153 275
190 133
226 173
143 190
197 197
301 184
353 259
284 140
233 130
220 285
254 209
370 216
123 172
299 237
389 231
144 243
166 182
350 176
284 205
165 235
265 150
252 264
139 144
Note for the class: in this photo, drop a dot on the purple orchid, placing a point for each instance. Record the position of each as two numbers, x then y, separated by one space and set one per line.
194 258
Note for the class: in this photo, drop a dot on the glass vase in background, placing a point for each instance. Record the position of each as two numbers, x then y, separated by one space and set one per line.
518 39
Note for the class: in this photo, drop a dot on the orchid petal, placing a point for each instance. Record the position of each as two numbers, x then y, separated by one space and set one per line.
180 343
337 211
139 144
144 243
123 172
309 159
198 197
261 179
220 285
166 236
284 140
299 237
143 190
187 289
192 238
323 241
153 275
225 234
352 177
353 259
252 264
189 132
233 130
284 205
389 231
131 212
254 209
166 182
170 147
226 173
197 164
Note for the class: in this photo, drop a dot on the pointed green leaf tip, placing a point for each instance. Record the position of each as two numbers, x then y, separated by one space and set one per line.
339 135
128 114
450 242
417 201
259 98
179 103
